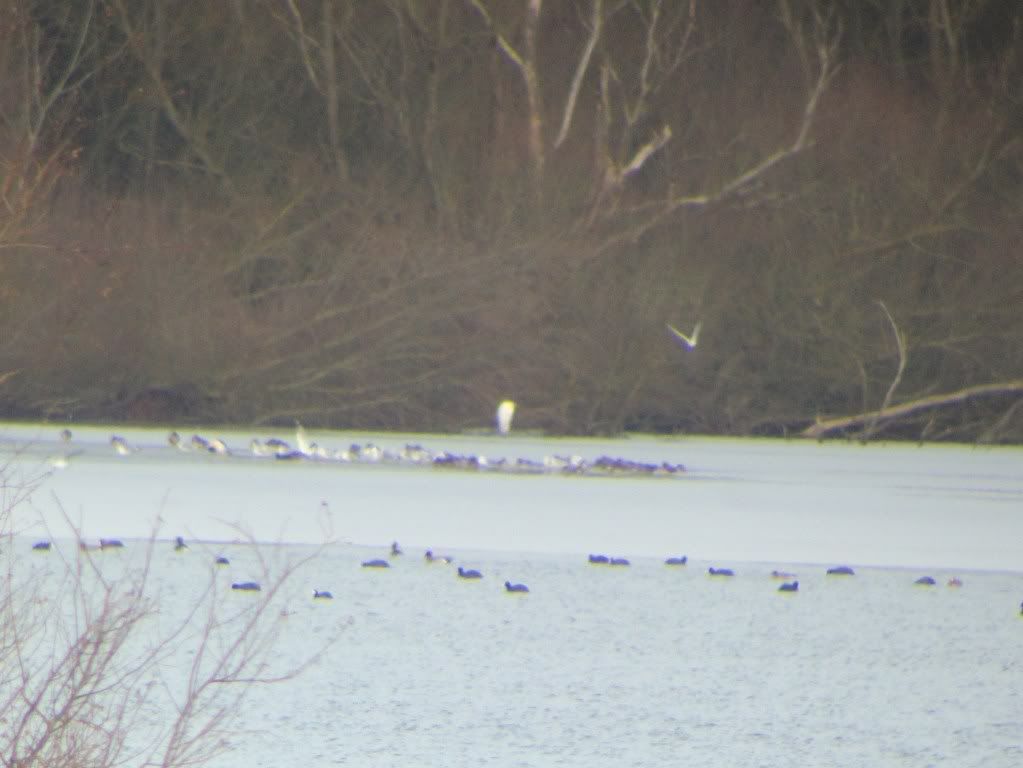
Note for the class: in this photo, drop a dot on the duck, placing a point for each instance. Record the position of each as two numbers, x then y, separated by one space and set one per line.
246 586
789 586
720 572
396 549
618 561
221 560
677 560
41 546
322 595
469 573
371 453
599 559
111 544
277 445
120 445
841 570
217 446
179 544
925 581
782 575
376 564
174 441
509 587
432 558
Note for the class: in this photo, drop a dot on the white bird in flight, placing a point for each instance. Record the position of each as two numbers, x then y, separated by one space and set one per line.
688 342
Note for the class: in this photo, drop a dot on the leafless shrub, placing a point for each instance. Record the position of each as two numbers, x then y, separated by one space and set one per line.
95 671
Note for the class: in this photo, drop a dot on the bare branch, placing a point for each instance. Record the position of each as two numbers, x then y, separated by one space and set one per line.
900 343
303 44
525 62
596 25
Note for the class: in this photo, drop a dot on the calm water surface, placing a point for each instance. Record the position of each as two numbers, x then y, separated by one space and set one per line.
645 665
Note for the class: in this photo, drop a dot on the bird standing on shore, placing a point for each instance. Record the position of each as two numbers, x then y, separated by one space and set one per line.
686 342
505 412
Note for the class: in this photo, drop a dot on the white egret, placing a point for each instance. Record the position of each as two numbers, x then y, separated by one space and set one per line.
505 412
687 342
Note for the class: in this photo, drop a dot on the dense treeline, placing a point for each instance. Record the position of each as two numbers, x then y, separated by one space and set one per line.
393 213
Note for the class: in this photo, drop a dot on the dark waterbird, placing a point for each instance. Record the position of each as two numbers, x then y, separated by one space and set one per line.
246 586
720 572
509 587
432 558
41 546
179 544
322 595
677 560
841 570
925 581
599 559
110 544
376 564
469 573
618 561
221 560
396 549
789 586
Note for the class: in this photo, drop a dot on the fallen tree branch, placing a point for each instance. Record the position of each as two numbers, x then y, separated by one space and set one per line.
824 426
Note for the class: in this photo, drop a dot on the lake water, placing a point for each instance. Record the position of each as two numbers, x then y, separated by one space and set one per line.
645 665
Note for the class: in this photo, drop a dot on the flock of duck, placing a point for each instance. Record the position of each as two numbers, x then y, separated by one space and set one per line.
789 583
412 454
416 455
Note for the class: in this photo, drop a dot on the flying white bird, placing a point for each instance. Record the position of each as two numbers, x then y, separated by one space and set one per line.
505 411
687 342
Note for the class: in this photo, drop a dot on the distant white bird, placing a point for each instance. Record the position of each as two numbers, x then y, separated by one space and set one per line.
687 342
505 412
301 441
